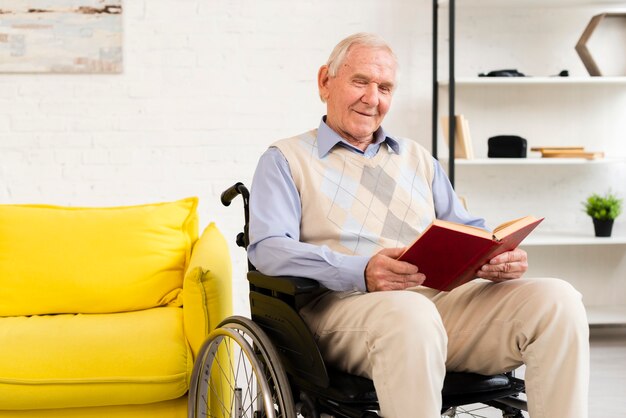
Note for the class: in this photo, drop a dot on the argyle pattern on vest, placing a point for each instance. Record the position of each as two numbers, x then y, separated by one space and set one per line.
357 205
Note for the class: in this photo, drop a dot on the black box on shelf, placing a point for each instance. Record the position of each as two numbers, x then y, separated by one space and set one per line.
506 146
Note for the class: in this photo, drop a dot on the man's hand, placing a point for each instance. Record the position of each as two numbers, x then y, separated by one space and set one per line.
384 272
506 266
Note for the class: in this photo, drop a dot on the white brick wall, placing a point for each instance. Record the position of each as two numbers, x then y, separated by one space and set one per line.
207 85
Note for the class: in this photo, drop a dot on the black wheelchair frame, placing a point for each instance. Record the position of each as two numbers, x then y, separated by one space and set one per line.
291 377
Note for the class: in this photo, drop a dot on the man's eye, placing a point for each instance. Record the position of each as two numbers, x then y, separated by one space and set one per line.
384 89
360 82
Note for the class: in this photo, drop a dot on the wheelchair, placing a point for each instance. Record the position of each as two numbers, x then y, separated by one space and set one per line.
269 366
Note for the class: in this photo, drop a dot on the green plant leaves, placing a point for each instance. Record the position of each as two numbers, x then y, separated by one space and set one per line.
604 207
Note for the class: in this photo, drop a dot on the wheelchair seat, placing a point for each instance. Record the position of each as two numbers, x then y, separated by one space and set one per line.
457 387
283 372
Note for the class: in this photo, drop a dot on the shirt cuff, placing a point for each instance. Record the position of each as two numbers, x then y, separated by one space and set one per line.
352 272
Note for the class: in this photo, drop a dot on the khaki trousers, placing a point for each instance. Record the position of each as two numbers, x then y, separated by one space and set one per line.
406 340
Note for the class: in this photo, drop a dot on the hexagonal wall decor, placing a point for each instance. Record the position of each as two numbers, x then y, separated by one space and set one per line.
581 46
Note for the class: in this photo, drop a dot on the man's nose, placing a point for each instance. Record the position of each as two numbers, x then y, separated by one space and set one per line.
370 96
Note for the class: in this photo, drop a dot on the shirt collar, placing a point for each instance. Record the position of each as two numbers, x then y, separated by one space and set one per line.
327 138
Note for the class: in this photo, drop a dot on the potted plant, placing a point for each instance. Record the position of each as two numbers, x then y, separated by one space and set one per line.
603 210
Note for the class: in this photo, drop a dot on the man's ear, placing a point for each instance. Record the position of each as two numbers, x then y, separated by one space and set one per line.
322 82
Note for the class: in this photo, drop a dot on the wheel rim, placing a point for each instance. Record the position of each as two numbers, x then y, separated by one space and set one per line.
238 355
274 374
231 381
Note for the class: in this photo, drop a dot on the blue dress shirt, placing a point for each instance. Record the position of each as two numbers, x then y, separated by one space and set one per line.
275 248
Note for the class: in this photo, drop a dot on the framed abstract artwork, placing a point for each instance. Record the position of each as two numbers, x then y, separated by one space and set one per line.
61 36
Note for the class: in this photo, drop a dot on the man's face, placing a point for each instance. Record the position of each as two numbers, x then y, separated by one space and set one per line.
359 96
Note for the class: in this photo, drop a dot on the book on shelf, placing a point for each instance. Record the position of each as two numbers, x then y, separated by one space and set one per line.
450 254
569 148
568 152
463 147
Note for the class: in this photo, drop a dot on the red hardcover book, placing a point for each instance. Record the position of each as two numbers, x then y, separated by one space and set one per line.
450 254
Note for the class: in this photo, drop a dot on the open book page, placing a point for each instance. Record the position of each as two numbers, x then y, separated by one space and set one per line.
468 229
510 227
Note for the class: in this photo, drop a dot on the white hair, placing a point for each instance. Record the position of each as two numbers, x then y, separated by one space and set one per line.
338 56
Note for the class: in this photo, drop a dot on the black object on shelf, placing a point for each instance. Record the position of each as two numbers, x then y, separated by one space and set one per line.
515 73
507 146
502 73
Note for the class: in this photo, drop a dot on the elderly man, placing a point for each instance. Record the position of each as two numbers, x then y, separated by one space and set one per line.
339 204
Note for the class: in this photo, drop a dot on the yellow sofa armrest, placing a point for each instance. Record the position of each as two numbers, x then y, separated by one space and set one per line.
207 287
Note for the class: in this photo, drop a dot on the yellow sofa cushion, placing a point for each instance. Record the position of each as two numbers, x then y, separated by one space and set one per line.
207 287
176 408
94 260
58 361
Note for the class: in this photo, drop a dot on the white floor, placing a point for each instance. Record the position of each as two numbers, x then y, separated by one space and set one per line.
607 393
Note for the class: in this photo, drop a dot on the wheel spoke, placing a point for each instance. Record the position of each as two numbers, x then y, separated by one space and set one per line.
218 397
224 373
250 365
463 412
248 376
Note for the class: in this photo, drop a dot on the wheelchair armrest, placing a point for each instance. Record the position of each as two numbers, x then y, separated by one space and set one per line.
295 291
289 285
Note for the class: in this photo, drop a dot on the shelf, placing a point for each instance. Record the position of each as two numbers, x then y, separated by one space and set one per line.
606 315
532 161
552 238
561 243
530 81
531 3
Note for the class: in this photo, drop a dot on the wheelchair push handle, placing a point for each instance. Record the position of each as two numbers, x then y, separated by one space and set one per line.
226 197
232 192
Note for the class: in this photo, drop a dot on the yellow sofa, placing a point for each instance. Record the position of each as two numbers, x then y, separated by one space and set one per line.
102 310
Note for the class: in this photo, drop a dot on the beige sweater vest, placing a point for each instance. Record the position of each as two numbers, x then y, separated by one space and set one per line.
356 205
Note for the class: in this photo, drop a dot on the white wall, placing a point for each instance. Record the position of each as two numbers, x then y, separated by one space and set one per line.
207 85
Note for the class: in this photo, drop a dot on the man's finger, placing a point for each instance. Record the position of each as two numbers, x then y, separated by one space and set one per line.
509 257
504 267
402 267
501 259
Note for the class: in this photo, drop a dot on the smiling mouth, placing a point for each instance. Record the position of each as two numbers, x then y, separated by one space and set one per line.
365 114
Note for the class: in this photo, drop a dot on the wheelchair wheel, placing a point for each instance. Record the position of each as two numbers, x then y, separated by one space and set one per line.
481 411
238 374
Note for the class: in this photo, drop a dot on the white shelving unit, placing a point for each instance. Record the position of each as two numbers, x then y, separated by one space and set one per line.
570 238
533 161
530 3
527 81
549 111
